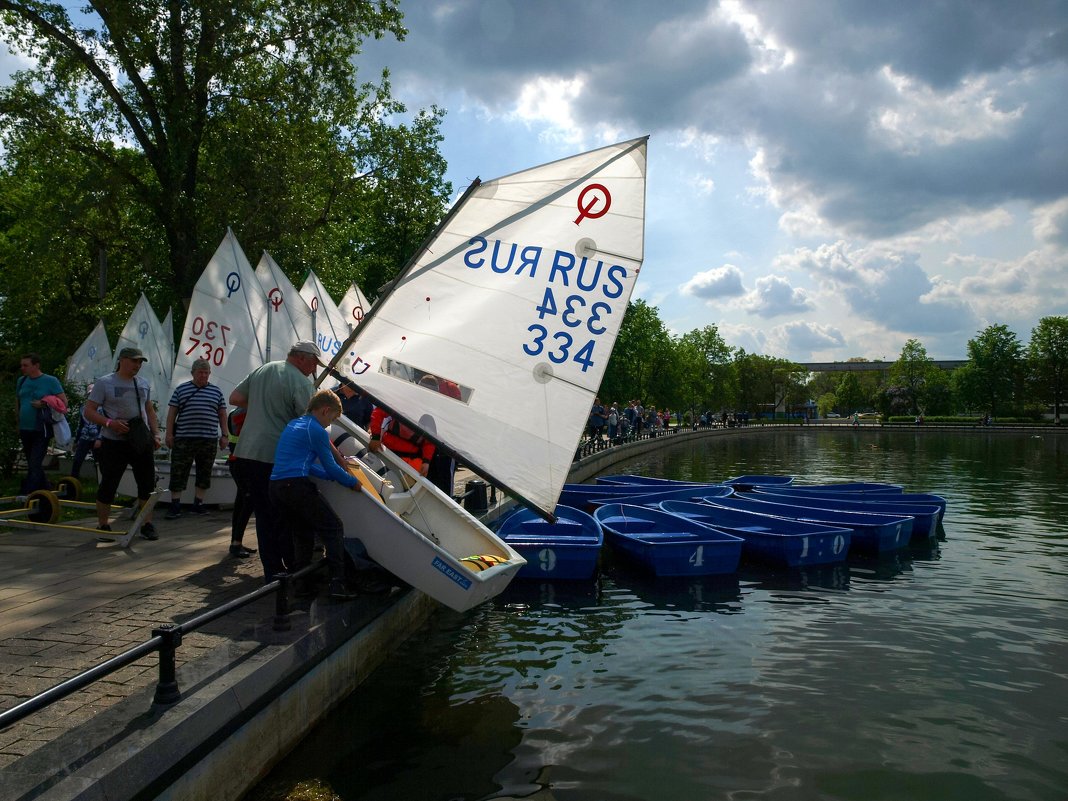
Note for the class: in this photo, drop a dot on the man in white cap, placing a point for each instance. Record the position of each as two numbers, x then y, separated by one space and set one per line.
272 394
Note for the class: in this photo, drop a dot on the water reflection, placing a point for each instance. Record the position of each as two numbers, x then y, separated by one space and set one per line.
934 673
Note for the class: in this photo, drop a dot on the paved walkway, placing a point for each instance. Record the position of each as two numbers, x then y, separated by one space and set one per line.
68 602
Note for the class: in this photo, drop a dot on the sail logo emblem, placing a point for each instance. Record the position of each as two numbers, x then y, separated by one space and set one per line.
314 304
275 298
142 329
594 201
92 351
233 283
357 314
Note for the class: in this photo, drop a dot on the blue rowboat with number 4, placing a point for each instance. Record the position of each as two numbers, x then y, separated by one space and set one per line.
772 540
669 545
873 532
566 549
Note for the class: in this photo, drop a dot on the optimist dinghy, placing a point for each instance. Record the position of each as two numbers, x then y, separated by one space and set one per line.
492 343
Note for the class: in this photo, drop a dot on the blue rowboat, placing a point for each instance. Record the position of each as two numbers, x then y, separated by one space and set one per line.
579 495
925 517
848 486
871 531
669 545
664 483
566 549
774 540
747 483
922 498
652 499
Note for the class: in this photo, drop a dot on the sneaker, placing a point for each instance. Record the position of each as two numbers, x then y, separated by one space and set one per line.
104 527
148 532
199 509
174 512
241 552
340 592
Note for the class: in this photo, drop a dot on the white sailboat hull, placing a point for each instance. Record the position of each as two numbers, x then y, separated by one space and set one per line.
221 492
420 534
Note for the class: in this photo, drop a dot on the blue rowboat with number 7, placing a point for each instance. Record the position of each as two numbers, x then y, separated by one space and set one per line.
566 549
669 545
772 540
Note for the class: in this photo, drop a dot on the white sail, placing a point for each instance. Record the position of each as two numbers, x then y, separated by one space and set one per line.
290 317
227 320
331 329
513 308
92 359
353 307
144 331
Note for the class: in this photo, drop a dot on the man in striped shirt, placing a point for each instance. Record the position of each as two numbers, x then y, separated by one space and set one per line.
196 431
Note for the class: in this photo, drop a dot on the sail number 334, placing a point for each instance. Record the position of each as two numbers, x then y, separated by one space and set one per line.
575 313
208 341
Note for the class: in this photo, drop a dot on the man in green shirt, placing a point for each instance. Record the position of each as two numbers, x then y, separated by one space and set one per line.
273 394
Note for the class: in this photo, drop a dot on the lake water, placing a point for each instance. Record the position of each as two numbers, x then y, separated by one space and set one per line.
938 673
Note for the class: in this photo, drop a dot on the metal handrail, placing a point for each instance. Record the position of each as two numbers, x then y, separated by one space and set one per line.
166 640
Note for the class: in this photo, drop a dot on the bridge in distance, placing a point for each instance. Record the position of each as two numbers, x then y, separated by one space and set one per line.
853 367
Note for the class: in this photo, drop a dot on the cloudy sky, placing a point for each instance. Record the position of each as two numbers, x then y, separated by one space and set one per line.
827 178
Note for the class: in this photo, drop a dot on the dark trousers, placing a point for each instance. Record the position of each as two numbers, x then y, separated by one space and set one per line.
307 515
34 447
113 457
274 542
242 506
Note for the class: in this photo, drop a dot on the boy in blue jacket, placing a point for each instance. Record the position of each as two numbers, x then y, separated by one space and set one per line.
303 451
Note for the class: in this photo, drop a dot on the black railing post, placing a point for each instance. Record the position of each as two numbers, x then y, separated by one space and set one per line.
167 688
281 603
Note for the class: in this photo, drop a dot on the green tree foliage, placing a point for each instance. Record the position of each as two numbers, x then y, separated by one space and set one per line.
765 384
145 129
1047 355
639 365
915 382
708 375
991 379
850 396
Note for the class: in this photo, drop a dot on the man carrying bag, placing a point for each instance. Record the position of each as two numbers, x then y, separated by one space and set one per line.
120 404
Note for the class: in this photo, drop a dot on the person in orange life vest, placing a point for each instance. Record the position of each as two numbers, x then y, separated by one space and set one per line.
387 429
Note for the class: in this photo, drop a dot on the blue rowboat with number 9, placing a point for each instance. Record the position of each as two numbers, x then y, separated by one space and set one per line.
567 549
669 545
772 540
